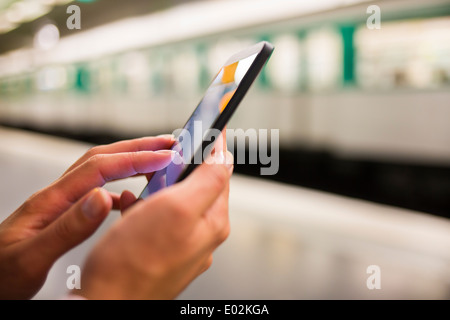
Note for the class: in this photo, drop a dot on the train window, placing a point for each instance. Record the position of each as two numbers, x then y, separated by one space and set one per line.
413 54
8 86
16 62
103 73
157 81
134 68
284 69
323 49
185 72
83 78
51 78
3 86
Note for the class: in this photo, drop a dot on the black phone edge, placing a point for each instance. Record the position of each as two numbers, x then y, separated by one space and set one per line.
245 84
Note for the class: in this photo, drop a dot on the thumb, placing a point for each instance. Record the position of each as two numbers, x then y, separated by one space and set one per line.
74 226
127 199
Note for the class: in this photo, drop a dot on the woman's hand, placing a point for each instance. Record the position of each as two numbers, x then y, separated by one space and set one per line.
163 242
59 217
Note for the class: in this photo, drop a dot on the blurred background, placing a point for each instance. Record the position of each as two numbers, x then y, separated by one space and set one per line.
363 116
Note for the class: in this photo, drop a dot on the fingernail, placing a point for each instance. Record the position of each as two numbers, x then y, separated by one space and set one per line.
229 161
167 152
219 158
226 159
166 136
93 205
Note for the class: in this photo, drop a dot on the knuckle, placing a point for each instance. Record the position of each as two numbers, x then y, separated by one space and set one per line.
28 205
176 208
224 233
208 262
133 159
218 178
19 263
181 211
95 158
221 229
94 161
62 230
92 151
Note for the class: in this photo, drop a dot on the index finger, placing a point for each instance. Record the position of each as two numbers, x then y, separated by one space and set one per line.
132 145
102 168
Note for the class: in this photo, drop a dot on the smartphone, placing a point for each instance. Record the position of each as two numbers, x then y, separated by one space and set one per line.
215 109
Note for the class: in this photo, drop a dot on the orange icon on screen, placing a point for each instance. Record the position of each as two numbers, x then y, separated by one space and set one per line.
228 72
225 99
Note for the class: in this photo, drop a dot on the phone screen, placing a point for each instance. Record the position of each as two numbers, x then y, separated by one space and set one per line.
214 102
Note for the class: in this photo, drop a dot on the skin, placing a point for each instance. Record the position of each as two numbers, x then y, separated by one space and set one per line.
154 252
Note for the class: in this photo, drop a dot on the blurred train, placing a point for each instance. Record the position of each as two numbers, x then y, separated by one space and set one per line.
361 111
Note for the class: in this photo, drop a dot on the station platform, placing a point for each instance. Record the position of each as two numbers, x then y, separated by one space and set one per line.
286 242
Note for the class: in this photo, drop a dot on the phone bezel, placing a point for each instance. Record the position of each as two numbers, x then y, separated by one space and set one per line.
263 50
